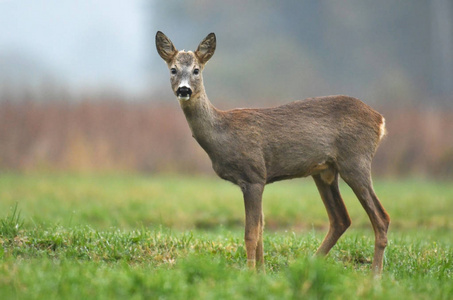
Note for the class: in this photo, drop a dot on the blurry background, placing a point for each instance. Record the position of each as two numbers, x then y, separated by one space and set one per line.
82 88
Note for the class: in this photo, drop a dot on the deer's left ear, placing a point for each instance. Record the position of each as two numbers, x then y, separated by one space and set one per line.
165 47
206 48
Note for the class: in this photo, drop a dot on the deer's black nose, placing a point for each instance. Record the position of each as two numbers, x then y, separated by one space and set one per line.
183 91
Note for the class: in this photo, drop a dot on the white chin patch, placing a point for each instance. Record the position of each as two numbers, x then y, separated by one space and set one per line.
185 98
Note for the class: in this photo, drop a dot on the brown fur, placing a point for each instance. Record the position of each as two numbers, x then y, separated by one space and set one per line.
320 137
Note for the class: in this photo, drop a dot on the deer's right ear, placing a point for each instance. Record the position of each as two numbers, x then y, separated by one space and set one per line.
165 47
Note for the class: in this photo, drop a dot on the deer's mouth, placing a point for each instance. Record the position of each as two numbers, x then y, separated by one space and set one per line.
183 93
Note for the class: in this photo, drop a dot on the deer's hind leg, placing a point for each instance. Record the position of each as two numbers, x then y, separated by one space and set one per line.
327 183
358 177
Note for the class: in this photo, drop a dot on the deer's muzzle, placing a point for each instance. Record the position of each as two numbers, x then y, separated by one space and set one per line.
183 93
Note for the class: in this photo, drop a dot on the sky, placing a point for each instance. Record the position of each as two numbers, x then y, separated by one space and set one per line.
84 43
329 47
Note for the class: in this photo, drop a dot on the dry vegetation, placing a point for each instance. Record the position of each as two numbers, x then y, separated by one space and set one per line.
116 135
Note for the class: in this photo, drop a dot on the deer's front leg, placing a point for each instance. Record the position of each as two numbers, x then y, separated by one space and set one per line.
253 224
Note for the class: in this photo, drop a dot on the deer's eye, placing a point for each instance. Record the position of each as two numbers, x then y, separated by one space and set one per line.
196 71
173 71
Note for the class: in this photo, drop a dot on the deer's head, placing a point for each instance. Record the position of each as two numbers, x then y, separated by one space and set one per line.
185 67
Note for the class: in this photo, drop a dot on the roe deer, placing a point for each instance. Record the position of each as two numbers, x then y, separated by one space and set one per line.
319 137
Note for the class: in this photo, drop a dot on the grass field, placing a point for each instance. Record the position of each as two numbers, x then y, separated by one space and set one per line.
68 236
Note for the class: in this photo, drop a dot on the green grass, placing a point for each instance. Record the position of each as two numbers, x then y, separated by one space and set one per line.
171 237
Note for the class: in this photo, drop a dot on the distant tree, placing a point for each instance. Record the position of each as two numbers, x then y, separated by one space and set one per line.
278 51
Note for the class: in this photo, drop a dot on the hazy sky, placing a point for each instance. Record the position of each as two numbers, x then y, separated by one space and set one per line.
89 43
330 47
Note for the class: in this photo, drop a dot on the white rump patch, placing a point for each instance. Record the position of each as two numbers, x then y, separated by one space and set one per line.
382 130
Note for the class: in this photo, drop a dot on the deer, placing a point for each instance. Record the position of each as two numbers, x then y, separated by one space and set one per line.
322 137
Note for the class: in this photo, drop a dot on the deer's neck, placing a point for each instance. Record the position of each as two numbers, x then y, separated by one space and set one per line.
202 117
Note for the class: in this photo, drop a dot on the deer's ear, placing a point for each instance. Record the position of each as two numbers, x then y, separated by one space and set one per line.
206 48
165 47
